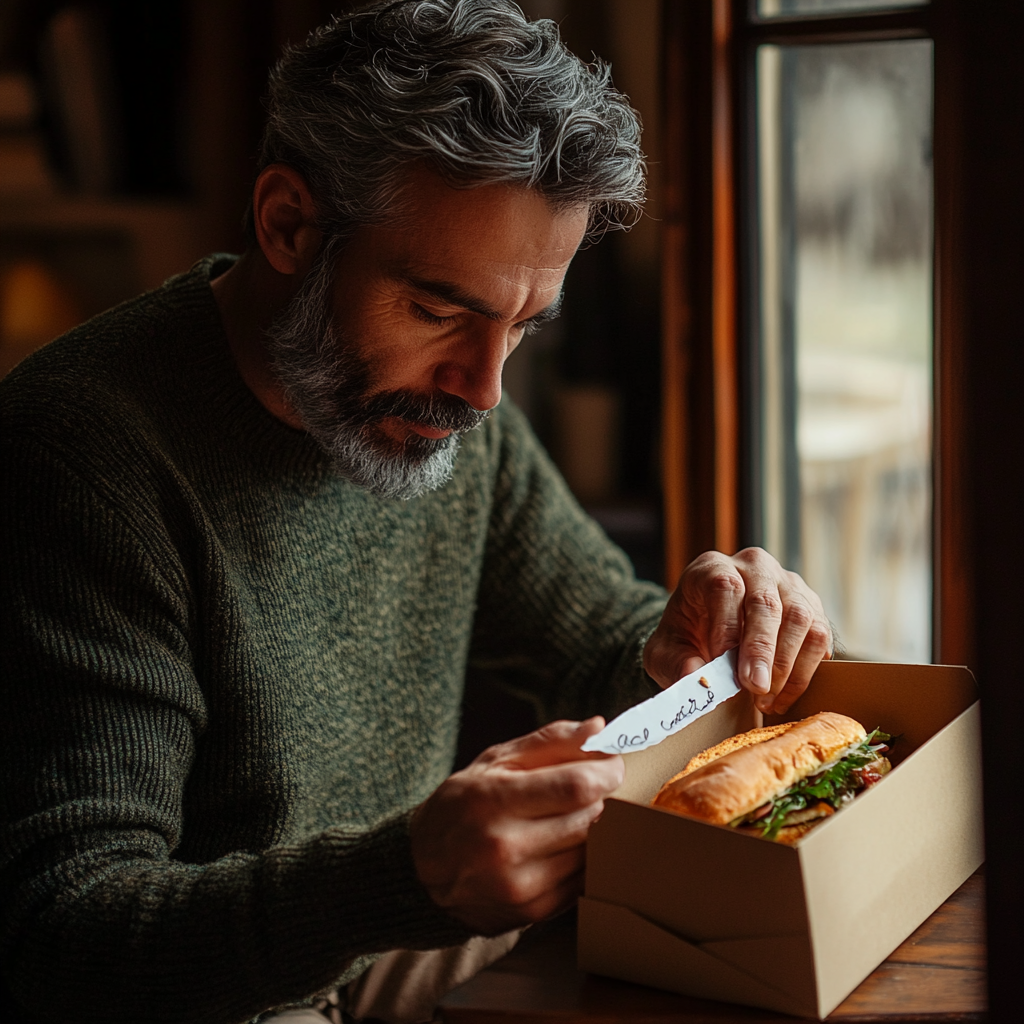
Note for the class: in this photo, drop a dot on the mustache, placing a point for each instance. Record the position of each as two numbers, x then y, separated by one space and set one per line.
440 410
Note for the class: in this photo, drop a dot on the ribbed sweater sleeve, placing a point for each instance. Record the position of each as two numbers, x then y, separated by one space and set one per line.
99 719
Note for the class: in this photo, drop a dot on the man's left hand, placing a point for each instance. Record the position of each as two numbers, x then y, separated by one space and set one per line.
748 600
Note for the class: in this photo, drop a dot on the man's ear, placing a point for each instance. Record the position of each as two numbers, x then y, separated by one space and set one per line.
284 219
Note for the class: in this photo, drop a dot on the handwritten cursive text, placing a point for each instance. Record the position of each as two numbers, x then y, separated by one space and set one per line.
624 741
688 710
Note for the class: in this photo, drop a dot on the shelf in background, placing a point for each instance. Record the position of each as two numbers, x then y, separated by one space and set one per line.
163 237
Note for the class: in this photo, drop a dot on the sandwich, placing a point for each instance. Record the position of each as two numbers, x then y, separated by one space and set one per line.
779 781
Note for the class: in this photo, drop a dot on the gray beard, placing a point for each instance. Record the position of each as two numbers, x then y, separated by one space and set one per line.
330 385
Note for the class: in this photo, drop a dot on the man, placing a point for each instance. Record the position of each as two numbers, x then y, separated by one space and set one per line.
248 579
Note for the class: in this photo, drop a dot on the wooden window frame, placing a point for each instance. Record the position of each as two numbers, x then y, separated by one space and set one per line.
709 394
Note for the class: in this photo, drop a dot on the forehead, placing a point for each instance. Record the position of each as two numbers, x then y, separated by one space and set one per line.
498 230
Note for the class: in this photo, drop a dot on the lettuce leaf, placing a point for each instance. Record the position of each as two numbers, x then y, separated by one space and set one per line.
835 785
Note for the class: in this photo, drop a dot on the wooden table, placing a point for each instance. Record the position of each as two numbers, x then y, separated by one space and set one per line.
938 974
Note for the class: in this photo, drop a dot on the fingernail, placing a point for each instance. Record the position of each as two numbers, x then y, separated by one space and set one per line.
763 704
760 678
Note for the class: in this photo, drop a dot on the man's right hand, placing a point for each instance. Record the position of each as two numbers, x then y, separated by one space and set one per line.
499 844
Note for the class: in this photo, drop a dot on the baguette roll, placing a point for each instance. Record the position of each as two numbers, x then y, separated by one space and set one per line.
727 746
733 780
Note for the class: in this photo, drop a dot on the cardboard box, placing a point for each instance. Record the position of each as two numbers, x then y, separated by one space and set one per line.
706 911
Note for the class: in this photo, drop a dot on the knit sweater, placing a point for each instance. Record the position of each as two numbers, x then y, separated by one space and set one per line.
229 673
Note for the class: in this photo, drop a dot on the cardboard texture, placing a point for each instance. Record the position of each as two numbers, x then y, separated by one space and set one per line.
706 911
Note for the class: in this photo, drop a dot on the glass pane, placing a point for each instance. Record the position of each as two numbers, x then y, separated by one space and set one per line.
844 163
773 8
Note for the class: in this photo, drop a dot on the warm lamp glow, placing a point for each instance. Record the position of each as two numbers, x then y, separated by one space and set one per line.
35 307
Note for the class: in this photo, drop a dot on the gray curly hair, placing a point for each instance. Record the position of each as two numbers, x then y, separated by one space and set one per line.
472 89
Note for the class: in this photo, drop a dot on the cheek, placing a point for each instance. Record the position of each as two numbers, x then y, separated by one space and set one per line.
376 327
402 354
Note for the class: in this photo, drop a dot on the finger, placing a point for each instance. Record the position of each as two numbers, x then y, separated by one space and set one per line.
720 587
536 889
495 918
558 789
797 621
544 837
521 847
556 900
702 620
762 617
689 665
530 849
814 650
554 743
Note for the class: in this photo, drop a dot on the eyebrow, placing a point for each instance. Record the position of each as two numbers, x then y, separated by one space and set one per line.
451 293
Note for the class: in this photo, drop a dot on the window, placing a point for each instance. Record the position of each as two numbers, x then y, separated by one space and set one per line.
844 357
806 364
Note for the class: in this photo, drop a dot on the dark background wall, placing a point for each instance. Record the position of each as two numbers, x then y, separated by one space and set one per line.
992 263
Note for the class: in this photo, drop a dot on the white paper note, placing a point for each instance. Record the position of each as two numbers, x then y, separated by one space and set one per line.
653 720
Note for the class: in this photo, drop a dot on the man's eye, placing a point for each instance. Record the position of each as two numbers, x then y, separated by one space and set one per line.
430 318
528 327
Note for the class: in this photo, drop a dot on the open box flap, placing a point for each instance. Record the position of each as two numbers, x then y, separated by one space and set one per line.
911 701
617 942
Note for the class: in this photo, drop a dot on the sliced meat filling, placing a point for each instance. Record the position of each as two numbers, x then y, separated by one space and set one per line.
819 810
821 794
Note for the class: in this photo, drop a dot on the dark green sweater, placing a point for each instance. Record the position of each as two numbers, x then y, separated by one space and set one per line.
228 673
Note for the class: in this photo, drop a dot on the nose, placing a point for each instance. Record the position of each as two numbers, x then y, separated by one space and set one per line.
472 368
